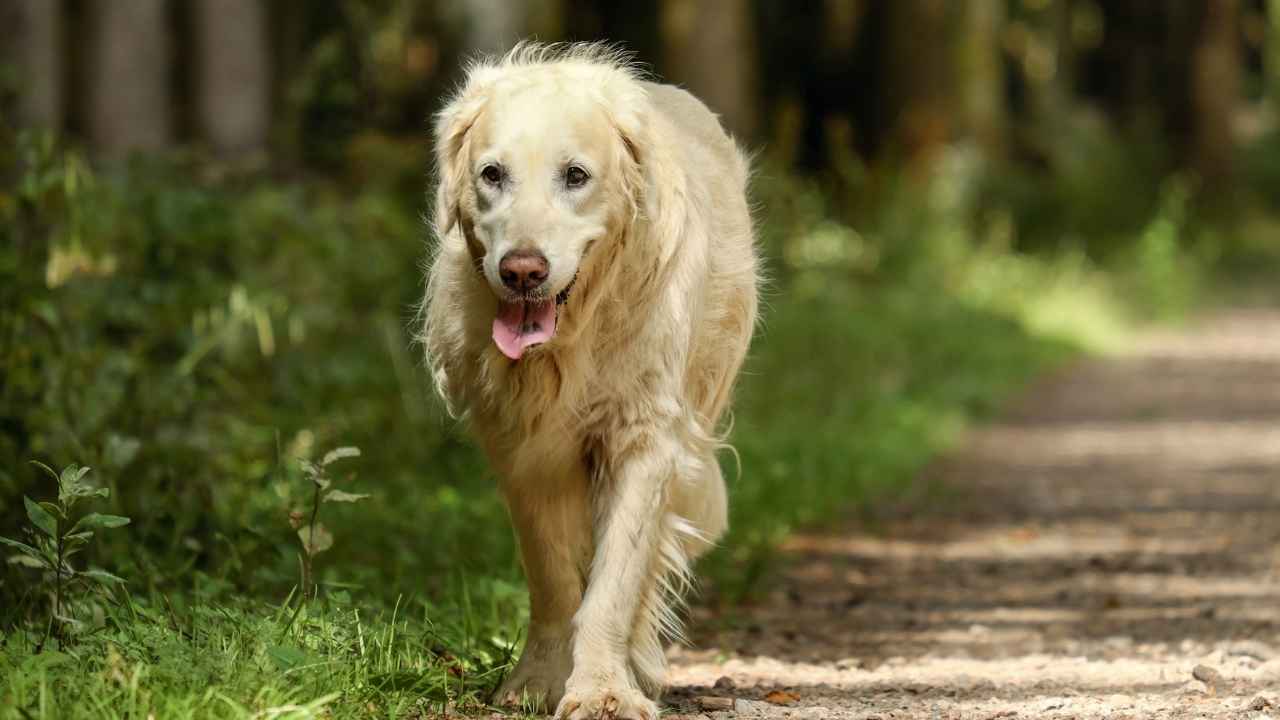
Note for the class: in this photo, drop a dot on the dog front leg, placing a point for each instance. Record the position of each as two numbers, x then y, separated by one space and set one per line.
625 593
553 525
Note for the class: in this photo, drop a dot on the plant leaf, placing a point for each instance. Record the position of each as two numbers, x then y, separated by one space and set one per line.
48 470
287 657
102 576
71 483
308 467
27 561
22 546
98 520
337 454
319 542
73 474
346 497
40 517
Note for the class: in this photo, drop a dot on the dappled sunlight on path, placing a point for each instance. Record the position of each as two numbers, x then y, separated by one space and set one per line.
1111 549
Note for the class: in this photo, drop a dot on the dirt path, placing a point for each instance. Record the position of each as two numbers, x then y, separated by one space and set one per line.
1113 551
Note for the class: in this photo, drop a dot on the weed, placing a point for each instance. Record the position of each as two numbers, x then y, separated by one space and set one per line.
54 539
314 536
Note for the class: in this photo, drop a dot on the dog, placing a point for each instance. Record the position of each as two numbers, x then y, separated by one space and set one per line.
590 299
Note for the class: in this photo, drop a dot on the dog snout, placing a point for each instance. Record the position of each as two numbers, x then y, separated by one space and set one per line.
523 270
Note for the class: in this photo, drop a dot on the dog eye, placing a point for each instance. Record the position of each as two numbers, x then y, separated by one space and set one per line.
492 174
575 177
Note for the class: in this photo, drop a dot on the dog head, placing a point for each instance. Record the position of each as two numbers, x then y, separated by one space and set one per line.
538 167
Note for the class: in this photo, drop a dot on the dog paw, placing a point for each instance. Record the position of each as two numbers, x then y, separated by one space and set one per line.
536 684
530 690
606 703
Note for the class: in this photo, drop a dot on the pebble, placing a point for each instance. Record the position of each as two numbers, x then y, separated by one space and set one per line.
724 682
1260 704
814 712
1207 675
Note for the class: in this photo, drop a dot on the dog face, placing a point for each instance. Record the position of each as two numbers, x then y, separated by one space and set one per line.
538 180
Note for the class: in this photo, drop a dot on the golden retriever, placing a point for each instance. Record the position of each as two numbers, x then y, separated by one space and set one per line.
589 302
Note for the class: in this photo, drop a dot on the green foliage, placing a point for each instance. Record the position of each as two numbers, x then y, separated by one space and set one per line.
192 658
56 534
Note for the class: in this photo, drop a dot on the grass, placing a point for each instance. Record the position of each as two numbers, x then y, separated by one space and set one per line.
192 337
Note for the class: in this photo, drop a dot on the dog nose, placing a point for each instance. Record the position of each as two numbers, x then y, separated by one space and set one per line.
523 270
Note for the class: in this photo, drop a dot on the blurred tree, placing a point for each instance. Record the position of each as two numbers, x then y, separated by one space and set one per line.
981 74
233 75
36 51
492 26
1271 55
918 78
130 105
709 47
1215 92
1044 57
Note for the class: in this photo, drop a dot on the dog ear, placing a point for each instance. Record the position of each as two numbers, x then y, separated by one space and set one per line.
452 126
653 178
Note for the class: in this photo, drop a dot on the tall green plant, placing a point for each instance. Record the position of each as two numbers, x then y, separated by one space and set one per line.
314 536
56 535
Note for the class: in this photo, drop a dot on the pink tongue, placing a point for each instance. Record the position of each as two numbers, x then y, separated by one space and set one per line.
519 325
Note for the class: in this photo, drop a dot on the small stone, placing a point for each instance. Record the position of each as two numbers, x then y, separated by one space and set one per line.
1260 704
715 704
1207 675
814 712
749 707
724 682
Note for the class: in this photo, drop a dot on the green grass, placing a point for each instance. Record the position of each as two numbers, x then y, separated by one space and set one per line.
191 336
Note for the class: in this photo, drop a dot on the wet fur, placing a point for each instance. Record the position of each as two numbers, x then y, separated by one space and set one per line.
604 438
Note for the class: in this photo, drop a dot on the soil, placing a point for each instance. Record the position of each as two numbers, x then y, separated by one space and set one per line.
1109 548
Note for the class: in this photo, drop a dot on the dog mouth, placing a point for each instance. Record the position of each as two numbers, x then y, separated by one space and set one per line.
523 322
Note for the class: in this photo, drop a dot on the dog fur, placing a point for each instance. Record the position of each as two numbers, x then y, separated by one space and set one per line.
604 437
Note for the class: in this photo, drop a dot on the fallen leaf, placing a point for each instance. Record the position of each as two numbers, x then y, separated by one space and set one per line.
781 697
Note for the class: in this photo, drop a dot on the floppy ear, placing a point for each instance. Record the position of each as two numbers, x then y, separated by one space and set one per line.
452 126
654 180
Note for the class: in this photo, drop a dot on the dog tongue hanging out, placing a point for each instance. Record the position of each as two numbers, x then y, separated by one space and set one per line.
521 324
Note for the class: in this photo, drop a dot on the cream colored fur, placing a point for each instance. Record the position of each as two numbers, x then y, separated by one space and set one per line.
604 438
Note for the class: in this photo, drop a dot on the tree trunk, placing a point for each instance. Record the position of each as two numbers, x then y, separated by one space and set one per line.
920 79
130 106
35 49
1215 90
233 84
981 75
492 27
1271 59
709 47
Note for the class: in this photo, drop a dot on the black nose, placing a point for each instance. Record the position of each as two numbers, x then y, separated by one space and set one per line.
523 270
